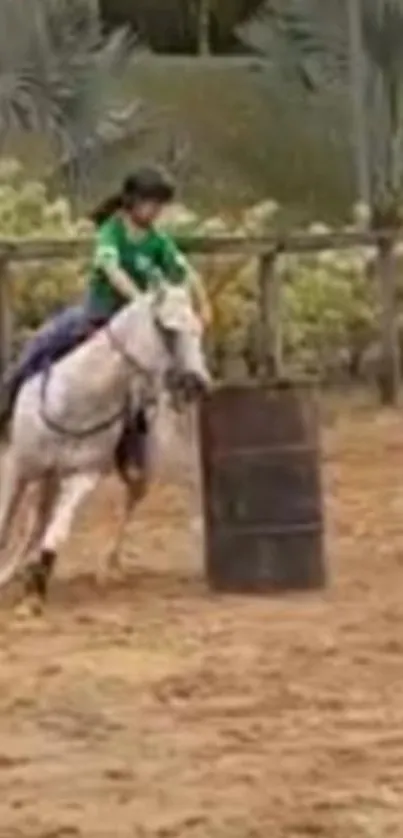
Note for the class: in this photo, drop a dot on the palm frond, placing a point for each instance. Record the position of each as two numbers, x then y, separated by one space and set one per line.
305 39
59 76
311 38
383 34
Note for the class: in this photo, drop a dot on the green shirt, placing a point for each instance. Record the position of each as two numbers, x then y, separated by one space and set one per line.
144 258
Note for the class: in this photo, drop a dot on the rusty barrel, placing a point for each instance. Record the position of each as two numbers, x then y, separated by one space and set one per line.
261 483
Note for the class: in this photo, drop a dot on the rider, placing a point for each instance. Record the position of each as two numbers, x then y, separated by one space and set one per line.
131 254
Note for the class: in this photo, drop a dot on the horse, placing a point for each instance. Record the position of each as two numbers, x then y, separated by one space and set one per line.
69 420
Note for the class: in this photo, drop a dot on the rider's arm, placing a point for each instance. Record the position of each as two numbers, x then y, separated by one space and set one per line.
121 282
177 268
107 258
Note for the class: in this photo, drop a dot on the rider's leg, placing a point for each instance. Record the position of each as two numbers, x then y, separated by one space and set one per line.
132 449
133 467
51 342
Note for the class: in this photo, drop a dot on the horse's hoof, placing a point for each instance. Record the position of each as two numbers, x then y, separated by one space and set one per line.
36 582
37 576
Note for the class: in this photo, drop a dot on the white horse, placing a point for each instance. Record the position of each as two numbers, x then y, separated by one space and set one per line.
67 423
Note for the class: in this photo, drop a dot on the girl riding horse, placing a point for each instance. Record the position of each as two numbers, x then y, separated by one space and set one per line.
131 255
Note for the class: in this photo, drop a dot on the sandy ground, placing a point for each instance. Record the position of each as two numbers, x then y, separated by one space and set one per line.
157 710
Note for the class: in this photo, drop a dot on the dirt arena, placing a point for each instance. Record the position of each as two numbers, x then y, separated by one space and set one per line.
157 710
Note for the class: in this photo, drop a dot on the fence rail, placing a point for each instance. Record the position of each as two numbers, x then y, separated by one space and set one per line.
32 249
266 249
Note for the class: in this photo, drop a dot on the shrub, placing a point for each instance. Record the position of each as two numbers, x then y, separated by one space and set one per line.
25 211
329 314
329 303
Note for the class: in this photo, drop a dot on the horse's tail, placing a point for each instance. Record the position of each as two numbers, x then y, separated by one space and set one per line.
7 401
5 417
11 494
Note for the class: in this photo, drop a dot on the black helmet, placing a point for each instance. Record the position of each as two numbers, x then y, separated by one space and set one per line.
150 183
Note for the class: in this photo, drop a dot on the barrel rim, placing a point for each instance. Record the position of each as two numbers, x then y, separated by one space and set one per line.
276 384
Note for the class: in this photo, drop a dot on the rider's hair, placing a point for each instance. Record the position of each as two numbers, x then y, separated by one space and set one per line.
150 183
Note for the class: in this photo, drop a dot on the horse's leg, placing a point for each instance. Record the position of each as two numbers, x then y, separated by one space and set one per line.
40 516
111 563
13 486
72 491
132 461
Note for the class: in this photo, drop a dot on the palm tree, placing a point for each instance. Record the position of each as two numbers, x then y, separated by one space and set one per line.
316 41
203 28
59 78
357 89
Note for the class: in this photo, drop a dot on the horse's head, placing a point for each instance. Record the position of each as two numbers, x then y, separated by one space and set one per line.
182 335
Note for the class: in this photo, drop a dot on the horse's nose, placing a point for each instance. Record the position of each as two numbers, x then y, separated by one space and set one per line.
195 385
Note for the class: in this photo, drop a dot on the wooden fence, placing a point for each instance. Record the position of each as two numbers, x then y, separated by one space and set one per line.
266 251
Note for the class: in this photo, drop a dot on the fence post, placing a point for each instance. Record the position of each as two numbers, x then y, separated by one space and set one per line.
271 343
389 374
5 316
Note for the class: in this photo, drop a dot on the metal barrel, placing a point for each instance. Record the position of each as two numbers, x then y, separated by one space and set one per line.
262 497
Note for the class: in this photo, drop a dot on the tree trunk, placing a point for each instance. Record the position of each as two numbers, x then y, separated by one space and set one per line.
389 377
357 85
271 346
203 27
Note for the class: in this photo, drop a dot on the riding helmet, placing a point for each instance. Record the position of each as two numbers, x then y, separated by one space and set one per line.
149 183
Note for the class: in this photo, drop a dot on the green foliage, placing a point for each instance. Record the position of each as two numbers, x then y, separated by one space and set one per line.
310 40
329 303
249 138
329 311
60 79
26 211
